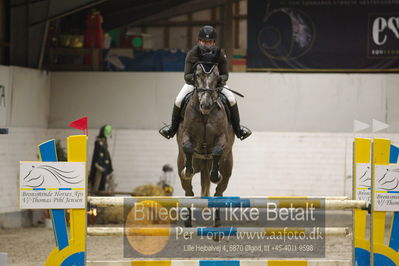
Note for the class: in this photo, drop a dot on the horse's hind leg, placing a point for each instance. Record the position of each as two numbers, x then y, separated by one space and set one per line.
225 170
205 181
187 186
220 188
217 153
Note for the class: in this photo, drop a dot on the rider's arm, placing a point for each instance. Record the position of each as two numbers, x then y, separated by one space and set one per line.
188 77
223 68
188 67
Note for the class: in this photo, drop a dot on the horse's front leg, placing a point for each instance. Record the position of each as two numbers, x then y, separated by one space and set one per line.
188 149
186 183
217 153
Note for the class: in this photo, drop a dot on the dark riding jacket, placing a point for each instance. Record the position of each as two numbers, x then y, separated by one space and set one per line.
193 56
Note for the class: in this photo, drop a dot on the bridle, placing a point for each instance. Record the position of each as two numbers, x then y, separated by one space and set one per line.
197 89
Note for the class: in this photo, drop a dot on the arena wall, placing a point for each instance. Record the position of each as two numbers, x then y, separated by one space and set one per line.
273 101
26 116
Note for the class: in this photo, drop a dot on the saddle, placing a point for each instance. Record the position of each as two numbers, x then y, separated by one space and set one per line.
184 104
221 100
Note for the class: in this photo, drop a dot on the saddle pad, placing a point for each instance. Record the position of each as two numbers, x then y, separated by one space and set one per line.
186 100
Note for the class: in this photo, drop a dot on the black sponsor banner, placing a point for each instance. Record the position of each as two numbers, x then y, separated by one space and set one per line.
323 35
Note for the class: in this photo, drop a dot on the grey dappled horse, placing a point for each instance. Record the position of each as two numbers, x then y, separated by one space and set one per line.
205 137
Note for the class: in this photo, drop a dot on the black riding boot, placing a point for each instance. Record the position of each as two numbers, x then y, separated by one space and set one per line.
240 131
170 130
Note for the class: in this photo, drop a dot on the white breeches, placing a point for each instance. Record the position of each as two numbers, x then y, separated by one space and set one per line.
187 88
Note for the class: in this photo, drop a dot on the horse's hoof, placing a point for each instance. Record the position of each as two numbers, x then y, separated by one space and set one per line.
186 175
216 178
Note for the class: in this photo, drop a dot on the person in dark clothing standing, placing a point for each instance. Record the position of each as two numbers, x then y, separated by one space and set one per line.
207 52
101 166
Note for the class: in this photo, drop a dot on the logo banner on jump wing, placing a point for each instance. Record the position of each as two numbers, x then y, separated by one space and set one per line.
52 185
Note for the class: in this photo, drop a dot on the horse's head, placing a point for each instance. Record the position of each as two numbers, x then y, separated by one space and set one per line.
206 79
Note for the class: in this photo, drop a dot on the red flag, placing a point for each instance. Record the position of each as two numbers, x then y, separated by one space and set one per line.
80 124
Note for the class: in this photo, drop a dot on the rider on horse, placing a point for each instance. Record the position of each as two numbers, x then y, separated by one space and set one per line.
205 51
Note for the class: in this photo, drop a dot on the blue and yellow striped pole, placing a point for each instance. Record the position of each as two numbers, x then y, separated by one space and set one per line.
72 251
381 254
361 244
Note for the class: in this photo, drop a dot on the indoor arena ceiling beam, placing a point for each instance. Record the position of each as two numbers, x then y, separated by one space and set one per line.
116 14
114 9
180 23
69 12
26 3
188 7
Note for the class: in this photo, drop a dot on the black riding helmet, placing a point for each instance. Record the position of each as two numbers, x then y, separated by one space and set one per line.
207 33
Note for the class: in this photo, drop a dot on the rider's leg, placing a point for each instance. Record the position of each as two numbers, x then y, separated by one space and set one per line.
241 132
169 131
187 88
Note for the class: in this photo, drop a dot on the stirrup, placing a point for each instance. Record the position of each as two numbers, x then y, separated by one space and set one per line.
247 132
163 132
